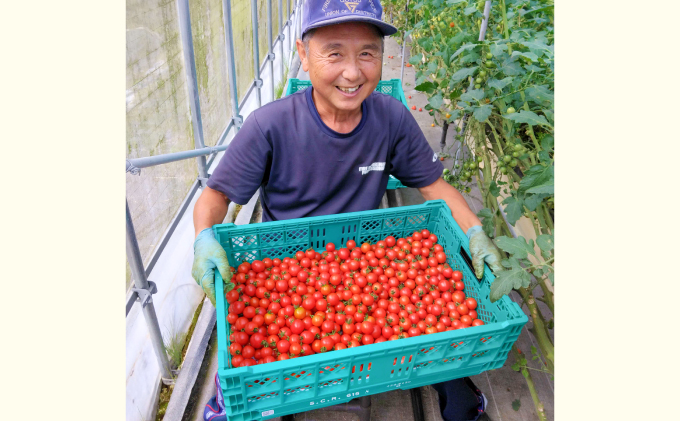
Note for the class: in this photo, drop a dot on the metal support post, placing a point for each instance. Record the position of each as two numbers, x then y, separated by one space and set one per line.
281 37
270 54
192 84
403 49
134 257
485 20
288 21
231 63
256 53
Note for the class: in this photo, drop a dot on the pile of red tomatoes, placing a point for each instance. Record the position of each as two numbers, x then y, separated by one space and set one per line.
356 295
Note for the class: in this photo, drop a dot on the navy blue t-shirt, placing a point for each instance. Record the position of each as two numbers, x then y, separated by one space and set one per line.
306 169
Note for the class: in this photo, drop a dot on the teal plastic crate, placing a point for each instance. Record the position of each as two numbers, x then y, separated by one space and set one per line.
389 87
306 383
394 183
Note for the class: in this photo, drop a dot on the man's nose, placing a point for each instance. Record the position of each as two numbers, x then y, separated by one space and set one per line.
352 71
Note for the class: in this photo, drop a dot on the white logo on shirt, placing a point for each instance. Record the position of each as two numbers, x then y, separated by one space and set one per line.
434 157
376 166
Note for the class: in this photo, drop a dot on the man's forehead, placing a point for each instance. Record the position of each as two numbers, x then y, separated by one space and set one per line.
344 34
336 45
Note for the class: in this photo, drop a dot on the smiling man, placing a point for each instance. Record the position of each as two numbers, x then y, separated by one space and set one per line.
330 149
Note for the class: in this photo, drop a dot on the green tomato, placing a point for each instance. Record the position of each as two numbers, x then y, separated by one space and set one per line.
446 171
467 174
513 163
511 110
478 80
477 86
489 56
504 170
507 158
467 189
482 73
456 166
479 158
515 154
517 147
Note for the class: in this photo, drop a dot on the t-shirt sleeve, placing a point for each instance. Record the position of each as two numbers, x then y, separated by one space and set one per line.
413 161
240 172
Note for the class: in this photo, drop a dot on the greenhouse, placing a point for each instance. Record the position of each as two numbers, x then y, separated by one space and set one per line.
340 210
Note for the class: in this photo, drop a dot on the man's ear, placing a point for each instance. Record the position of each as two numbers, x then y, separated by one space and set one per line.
303 55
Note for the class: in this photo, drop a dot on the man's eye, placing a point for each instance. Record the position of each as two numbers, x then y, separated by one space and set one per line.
335 54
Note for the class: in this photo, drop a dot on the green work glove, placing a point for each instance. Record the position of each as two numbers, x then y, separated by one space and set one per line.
483 250
208 255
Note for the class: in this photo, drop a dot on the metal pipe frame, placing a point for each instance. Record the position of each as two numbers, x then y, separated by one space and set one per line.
485 20
192 83
231 63
134 257
256 52
134 165
270 53
281 36
403 49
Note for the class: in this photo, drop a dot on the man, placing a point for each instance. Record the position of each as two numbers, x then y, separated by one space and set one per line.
330 148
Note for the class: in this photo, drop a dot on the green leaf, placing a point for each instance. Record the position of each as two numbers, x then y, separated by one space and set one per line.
538 273
538 47
463 73
506 263
515 366
533 200
465 47
486 217
505 281
470 10
500 84
436 101
513 209
482 113
549 115
528 117
547 143
418 58
516 404
544 157
540 94
530 56
551 276
538 179
472 95
428 87
469 58
452 2
494 189
432 66
517 247
533 350
546 242
441 73
497 49
512 69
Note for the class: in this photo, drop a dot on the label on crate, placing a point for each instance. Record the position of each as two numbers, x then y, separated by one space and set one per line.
270 412
350 395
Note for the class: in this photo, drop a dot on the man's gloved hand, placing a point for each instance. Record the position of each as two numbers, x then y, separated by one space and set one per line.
208 255
483 250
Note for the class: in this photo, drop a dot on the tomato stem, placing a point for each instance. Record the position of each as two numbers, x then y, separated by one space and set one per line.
540 411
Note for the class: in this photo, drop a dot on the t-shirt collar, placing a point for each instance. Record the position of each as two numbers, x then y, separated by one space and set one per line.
328 130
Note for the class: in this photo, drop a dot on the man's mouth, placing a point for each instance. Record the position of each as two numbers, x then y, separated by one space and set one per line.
349 90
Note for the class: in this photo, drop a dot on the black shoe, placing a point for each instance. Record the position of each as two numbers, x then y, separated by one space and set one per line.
483 401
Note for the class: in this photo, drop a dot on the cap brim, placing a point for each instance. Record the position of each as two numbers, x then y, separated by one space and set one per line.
385 28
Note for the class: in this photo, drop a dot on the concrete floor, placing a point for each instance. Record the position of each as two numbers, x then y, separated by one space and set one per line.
501 386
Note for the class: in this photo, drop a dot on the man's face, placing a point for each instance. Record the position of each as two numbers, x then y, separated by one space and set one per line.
344 64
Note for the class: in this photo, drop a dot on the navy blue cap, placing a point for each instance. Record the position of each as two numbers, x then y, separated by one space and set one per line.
317 13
